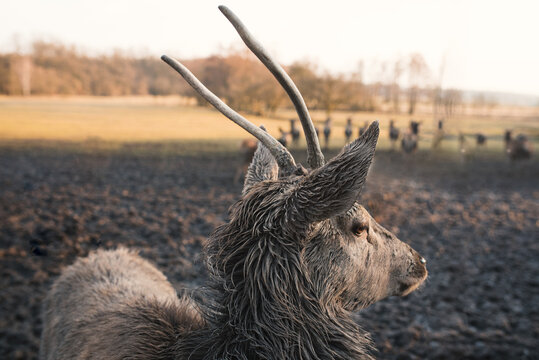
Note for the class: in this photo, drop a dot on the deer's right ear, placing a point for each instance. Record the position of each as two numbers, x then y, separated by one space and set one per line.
262 167
333 188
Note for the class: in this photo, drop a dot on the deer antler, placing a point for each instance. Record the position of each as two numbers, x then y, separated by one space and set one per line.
315 158
282 155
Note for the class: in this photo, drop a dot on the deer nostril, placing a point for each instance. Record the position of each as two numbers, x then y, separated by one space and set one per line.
423 261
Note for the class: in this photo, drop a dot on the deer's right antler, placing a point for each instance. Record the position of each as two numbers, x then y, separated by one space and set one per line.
283 157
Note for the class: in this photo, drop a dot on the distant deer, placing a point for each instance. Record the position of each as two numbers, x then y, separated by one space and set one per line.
294 131
410 138
247 150
464 147
348 130
438 135
517 148
480 139
297 256
327 132
363 128
283 138
393 134
507 138
414 126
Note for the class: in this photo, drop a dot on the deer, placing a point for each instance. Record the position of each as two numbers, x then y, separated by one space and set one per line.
283 137
247 151
393 134
348 130
363 128
518 148
327 132
411 138
298 255
294 131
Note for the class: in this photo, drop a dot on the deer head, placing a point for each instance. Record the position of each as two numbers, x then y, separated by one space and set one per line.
347 255
298 240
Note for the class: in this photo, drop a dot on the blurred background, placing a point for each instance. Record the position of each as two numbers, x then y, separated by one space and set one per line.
102 144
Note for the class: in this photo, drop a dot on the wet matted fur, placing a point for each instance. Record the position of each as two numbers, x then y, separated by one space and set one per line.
298 255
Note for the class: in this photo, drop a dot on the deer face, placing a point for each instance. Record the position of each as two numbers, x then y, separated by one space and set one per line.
367 262
348 258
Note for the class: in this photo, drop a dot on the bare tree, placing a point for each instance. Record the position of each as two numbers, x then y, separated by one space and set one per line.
452 100
332 93
437 94
304 75
398 70
23 68
417 73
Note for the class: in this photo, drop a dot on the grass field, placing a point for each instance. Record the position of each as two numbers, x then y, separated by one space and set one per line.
112 122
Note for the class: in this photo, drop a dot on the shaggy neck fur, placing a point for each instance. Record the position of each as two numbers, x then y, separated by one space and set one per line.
263 306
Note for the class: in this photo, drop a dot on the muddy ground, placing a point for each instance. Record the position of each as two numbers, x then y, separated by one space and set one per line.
476 222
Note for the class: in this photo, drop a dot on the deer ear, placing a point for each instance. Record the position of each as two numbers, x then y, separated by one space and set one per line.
262 167
333 188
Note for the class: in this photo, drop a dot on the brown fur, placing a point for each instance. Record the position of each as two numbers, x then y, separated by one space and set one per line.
105 306
298 255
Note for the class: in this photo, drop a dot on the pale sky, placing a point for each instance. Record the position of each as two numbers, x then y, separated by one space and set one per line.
487 45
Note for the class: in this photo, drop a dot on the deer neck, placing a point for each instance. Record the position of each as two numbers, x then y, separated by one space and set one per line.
264 308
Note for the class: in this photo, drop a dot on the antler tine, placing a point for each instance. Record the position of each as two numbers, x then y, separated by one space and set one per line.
315 158
282 155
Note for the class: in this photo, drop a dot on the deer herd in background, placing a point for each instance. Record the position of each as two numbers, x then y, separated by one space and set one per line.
516 148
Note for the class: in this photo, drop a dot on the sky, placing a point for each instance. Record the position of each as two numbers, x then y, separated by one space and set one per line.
483 45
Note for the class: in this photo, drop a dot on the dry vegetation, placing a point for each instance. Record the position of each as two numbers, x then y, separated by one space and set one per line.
113 121
400 85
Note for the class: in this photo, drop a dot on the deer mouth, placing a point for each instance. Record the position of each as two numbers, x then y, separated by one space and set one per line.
414 279
406 289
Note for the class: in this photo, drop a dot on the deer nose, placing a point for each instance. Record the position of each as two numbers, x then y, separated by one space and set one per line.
423 260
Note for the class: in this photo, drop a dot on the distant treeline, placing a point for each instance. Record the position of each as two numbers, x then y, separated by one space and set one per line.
236 77
53 69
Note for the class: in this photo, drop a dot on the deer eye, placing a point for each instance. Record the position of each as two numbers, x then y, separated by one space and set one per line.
359 229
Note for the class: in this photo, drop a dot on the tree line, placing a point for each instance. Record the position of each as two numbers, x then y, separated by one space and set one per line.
237 77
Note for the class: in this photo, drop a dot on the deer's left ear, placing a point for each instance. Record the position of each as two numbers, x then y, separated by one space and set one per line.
333 188
262 167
